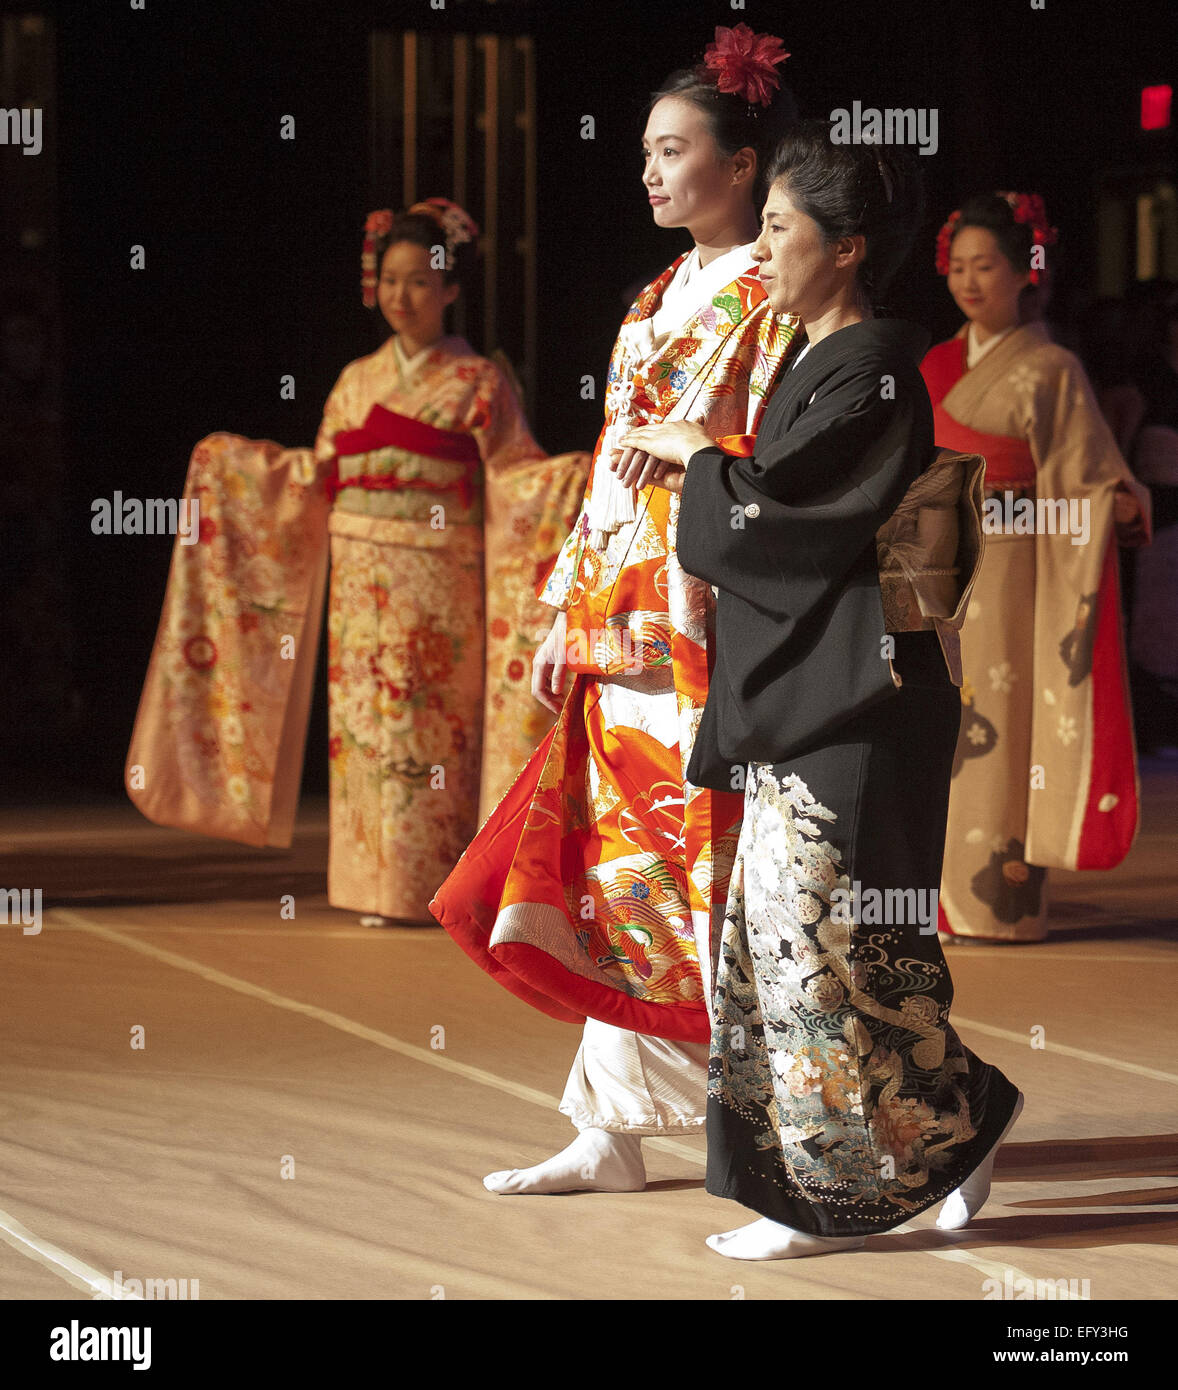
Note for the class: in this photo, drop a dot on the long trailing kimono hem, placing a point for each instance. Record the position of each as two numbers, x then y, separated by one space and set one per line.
217 745
591 889
528 947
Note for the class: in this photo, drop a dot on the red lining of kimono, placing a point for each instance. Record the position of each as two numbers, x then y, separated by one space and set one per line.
1105 836
743 445
943 367
468 903
1008 460
384 429
537 969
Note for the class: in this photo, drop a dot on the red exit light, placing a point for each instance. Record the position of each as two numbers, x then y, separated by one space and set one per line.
1155 108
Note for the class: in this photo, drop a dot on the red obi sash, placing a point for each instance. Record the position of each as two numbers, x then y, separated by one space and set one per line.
1009 461
384 429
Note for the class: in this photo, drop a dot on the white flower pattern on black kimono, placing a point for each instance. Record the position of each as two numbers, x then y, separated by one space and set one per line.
831 1043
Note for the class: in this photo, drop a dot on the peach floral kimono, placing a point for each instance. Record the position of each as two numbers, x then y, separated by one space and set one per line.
442 513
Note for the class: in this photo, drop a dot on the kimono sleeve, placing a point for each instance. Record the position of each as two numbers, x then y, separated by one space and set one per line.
557 587
1073 446
783 527
1084 812
529 502
235 603
338 414
507 447
499 426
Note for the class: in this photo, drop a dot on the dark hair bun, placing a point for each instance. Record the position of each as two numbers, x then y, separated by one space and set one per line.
994 214
420 229
734 122
870 190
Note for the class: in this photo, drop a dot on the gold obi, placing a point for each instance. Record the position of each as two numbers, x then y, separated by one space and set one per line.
930 551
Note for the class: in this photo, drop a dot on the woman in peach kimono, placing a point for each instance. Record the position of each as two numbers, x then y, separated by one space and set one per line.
1045 774
594 889
443 512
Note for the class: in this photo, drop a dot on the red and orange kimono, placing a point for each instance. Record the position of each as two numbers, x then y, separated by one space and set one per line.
1045 774
441 512
597 887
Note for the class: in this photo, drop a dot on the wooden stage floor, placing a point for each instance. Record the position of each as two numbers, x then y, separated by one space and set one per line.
308 1048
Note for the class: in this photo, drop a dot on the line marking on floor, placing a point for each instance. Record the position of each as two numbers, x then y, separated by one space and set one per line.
1064 1050
1063 954
990 1268
311 933
421 1054
475 1073
384 934
332 1020
58 1261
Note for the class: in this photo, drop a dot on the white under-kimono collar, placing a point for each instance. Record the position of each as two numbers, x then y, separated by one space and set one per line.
691 287
975 351
410 366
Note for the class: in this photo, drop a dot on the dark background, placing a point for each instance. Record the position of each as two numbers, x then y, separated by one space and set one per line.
167 135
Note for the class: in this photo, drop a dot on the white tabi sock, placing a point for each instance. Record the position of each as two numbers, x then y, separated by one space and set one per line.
962 1206
770 1240
598 1160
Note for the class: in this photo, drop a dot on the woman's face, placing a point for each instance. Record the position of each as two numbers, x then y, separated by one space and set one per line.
688 180
412 294
982 281
799 269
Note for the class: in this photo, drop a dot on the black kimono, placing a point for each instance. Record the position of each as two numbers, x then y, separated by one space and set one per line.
840 1100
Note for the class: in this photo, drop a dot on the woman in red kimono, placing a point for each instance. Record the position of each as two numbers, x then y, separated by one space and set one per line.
1045 774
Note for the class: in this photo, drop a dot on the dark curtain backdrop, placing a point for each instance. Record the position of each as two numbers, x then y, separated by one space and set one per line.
169 138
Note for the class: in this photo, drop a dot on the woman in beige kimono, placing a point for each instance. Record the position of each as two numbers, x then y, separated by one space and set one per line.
1045 773
427 460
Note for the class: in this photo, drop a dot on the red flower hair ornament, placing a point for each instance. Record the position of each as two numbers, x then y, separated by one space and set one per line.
1027 208
455 224
745 63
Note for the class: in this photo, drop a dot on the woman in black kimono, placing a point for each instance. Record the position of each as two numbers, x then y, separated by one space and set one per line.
841 1102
